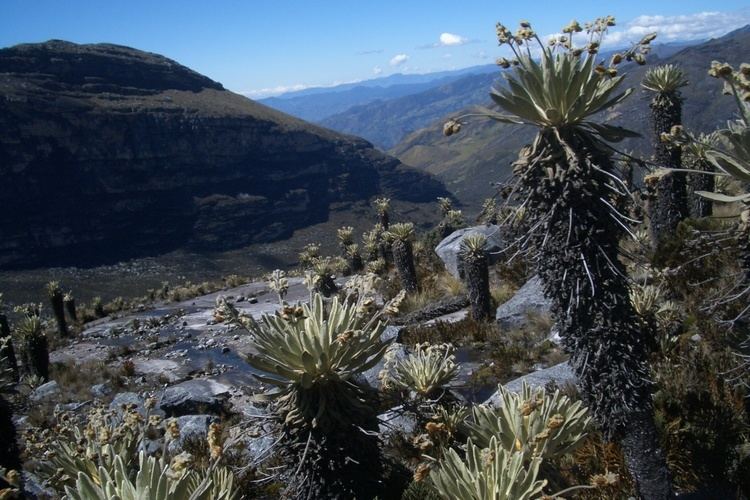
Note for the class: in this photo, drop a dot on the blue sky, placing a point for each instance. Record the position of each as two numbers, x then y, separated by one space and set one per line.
262 47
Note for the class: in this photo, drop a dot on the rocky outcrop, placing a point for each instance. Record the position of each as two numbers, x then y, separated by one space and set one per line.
529 299
108 152
449 249
560 375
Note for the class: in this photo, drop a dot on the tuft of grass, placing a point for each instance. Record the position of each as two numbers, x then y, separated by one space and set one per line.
434 287
502 293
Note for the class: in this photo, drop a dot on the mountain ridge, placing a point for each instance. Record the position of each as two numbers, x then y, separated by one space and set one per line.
110 153
320 103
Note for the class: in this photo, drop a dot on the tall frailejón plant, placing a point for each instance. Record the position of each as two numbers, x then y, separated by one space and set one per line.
401 236
56 298
573 195
476 275
730 153
35 346
667 189
383 207
8 360
70 306
694 157
313 355
10 456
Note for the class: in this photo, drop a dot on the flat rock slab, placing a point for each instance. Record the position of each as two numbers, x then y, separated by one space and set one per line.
167 369
396 422
124 399
453 317
82 353
194 397
449 249
529 299
45 391
561 374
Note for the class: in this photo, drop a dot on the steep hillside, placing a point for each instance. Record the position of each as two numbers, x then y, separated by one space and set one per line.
107 152
482 152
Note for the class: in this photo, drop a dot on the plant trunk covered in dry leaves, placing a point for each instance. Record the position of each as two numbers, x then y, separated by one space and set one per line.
70 306
58 308
476 274
663 206
666 112
743 237
571 190
10 457
36 354
339 462
403 258
700 206
7 350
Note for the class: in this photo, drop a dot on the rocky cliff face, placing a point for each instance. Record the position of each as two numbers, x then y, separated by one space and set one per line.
107 152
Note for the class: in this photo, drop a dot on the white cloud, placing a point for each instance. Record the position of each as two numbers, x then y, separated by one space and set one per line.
283 89
399 59
447 56
698 26
377 70
450 39
272 91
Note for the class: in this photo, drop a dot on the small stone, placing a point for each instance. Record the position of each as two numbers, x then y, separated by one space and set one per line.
252 300
45 391
70 407
194 396
100 390
225 350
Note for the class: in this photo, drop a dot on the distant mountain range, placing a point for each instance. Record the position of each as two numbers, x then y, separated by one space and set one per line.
110 153
483 151
386 122
385 110
316 104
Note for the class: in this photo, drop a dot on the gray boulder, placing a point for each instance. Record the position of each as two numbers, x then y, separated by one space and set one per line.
123 399
390 333
101 390
449 249
529 299
35 487
561 374
192 427
45 391
194 397
397 422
